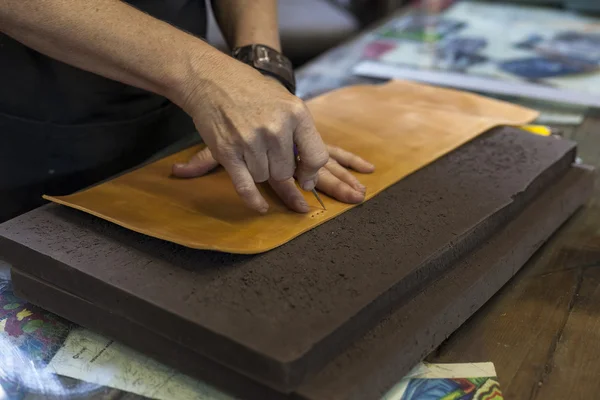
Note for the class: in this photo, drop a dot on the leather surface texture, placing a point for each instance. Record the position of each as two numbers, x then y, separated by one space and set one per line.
400 127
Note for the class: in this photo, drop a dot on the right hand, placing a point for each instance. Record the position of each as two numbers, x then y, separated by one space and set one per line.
250 124
336 181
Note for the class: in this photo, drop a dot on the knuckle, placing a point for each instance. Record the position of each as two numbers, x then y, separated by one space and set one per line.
282 175
251 142
245 191
225 154
260 178
321 158
273 128
297 108
259 173
274 134
342 189
281 169
204 155
331 163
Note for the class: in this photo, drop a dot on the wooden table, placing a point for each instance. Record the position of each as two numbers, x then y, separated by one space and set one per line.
542 330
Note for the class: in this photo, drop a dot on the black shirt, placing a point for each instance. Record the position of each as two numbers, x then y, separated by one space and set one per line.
62 128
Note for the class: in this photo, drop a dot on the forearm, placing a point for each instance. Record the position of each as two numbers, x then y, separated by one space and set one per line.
109 38
246 22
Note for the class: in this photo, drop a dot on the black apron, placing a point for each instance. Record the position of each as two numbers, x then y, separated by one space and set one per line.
62 128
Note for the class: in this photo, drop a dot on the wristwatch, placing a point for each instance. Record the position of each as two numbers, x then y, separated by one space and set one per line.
268 61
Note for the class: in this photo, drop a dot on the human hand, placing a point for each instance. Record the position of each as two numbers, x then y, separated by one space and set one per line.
334 179
250 124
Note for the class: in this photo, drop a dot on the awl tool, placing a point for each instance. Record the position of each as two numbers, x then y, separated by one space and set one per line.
314 191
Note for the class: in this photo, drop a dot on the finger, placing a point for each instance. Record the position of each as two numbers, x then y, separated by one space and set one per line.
258 165
280 152
350 160
200 164
334 187
244 184
311 149
290 195
344 175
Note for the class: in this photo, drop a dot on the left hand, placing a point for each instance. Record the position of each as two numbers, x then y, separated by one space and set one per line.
334 178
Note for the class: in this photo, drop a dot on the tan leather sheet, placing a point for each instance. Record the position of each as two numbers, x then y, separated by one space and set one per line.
400 127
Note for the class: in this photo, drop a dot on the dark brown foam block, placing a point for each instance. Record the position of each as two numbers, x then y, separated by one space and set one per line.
379 359
280 316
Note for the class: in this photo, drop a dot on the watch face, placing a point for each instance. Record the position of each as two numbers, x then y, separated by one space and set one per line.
264 55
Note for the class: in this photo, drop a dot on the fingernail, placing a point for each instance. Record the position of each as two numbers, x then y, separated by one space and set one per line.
308 185
358 197
179 165
263 209
360 187
302 206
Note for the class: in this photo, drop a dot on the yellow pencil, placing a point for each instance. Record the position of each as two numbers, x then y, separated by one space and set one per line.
541 130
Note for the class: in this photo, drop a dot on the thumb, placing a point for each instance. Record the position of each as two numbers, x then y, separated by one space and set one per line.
200 164
312 152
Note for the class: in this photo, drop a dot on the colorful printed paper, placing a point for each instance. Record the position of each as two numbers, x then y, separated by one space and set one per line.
36 346
472 381
506 49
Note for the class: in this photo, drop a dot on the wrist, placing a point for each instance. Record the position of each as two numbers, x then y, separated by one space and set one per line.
198 65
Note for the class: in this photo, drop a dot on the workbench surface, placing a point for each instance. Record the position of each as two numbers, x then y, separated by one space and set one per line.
542 330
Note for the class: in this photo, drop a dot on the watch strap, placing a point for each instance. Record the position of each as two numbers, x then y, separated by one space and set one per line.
269 62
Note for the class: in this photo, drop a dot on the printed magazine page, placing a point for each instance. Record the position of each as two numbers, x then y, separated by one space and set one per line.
497 48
